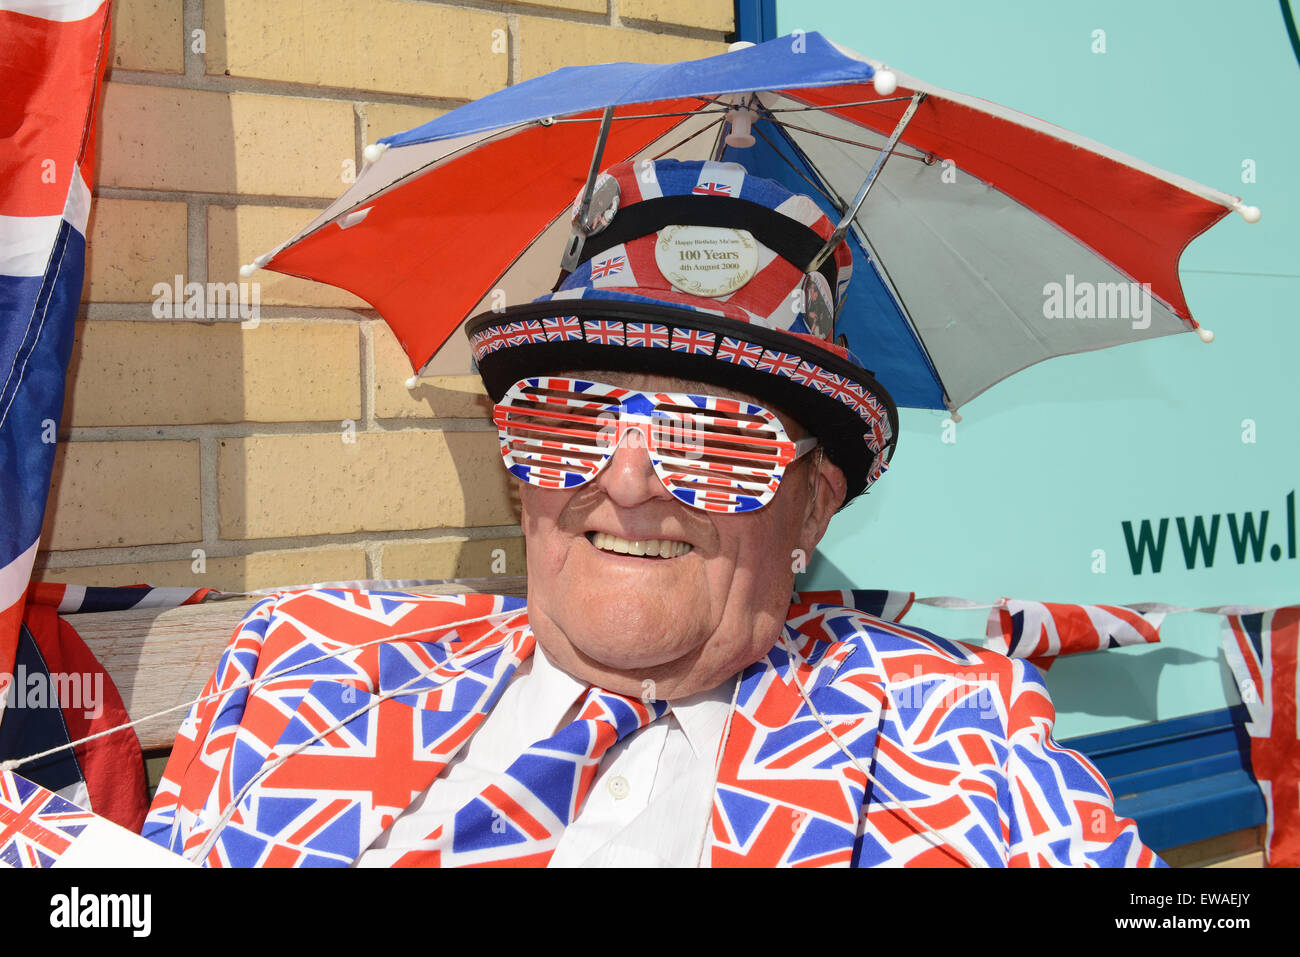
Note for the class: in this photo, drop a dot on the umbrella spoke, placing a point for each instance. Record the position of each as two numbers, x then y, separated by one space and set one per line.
850 213
926 158
682 142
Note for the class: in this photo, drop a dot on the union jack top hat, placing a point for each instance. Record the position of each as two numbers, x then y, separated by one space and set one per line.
700 271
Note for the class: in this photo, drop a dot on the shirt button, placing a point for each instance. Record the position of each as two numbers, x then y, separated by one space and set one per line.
618 787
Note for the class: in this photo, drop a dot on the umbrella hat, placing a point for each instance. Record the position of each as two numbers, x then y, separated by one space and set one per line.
989 241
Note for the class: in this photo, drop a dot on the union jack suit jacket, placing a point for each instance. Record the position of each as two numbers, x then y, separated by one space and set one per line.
959 735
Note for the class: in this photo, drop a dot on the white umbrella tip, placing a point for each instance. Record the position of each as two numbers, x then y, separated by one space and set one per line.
1205 334
412 383
372 152
1250 214
248 270
885 82
739 45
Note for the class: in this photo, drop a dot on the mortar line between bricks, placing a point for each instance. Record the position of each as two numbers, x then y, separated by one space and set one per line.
196 241
238 548
366 353
515 69
254 86
209 457
360 125
677 31
223 199
191 20
143 312
247 430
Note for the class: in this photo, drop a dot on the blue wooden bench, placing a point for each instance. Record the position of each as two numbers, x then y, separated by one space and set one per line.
1184 780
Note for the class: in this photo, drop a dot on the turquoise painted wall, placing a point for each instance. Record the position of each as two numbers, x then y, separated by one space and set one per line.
1046 466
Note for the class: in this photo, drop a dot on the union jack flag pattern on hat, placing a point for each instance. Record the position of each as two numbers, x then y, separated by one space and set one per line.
770 299
715 267
960 737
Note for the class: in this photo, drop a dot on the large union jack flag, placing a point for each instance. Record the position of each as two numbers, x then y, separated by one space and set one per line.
52 61
1261 652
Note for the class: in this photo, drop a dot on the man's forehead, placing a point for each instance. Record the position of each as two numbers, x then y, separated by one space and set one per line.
647 382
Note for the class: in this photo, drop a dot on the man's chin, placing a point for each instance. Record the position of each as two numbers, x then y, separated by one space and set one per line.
631 650
621 634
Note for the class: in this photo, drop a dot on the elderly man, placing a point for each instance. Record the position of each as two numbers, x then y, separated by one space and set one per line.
683 428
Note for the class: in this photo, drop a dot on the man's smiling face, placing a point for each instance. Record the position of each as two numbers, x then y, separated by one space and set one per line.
709 594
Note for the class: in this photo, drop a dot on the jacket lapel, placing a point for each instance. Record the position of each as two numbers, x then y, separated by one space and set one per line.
787 794
329 802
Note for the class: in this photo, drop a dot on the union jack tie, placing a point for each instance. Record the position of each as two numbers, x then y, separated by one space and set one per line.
518 820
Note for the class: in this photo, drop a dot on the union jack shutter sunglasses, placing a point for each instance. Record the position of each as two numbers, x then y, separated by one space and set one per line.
715 454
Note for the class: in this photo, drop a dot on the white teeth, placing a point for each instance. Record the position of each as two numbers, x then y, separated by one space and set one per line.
660 547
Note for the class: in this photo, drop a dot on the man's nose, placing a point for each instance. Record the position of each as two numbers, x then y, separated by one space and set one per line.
629 479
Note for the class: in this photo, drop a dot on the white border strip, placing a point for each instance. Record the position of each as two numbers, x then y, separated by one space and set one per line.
15 576
62 11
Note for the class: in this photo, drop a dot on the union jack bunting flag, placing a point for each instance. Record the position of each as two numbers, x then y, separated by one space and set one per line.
941 754
889 605
1042 631
77 599
57 693
36 825
41 829
1261 652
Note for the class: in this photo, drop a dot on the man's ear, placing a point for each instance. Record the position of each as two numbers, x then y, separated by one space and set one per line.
826 495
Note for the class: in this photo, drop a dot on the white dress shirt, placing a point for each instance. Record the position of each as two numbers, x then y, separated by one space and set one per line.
649 806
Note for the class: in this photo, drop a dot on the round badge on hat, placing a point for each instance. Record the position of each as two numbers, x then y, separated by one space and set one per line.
601 209
818 313
708 261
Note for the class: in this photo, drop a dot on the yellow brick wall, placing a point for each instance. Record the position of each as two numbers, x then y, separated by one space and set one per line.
196 450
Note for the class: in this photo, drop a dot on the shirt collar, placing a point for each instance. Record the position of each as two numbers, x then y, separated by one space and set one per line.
703 717
553 693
